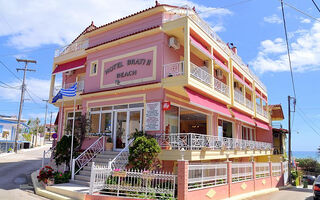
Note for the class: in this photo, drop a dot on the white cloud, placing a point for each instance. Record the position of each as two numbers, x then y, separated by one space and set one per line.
304 52
38 87
34 23
305 20
273 19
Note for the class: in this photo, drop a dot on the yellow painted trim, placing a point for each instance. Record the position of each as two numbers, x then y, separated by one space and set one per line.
154 62
115 98
97 67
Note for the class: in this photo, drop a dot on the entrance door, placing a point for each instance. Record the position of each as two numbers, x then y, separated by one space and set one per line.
120 130
134 122
106 123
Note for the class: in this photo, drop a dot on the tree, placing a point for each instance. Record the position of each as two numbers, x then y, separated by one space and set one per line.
63 150
144 152
308 164
34 127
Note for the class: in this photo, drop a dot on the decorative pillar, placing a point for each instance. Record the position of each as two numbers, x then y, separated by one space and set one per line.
270 170
183 170
254 174
229 176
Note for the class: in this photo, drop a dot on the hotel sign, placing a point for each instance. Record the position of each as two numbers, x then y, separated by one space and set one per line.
131 68
153 116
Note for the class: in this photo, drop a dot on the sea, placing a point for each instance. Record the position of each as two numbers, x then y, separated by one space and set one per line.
306 154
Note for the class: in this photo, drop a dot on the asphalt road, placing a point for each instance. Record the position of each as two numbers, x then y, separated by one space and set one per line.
14 172
287 194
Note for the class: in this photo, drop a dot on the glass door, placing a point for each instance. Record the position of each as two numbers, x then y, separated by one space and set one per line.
120 136
134 122
106 123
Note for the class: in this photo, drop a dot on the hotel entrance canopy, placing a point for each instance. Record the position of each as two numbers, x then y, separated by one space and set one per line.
69 66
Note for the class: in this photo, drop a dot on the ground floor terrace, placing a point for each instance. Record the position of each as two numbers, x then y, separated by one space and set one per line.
188 122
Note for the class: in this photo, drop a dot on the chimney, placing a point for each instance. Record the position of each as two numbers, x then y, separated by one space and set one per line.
234 49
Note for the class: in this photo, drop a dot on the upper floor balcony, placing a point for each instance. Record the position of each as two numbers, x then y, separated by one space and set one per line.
80 87
72 48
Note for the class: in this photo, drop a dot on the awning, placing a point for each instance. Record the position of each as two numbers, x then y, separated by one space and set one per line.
206 103
200 47
76 64
262 125
57 119
244 118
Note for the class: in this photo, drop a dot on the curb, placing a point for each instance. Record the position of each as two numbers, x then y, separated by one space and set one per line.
253 194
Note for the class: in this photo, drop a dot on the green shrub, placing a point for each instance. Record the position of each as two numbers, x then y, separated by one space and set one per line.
60 177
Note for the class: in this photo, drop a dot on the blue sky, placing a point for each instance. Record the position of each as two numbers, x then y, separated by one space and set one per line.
254 26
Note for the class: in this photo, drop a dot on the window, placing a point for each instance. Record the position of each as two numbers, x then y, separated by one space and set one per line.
225 128
93 68
192 122
172 120
94 123
248 133
69 121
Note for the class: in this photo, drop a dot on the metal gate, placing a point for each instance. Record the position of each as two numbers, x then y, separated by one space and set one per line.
285 173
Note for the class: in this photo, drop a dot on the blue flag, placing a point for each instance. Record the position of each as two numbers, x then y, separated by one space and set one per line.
70 92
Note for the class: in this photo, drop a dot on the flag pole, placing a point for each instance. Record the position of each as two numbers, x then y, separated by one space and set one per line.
74 111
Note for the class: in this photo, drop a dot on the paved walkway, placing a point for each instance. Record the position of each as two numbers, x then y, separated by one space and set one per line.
290 194
14 172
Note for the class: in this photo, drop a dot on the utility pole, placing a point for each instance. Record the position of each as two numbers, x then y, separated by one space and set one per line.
23 87
45 120
289 127
50 125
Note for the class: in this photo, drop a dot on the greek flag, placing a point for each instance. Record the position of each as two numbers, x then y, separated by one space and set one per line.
70 92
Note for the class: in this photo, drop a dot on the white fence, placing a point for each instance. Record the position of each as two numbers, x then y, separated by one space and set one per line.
221 87
285 172
73 47
262 170
173 69
194 141
241 172
47 156
276 169
200 74
209 175
239 97
132 183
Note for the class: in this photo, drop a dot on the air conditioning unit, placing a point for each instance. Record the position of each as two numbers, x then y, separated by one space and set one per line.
236 85
174 43
219 74
68 73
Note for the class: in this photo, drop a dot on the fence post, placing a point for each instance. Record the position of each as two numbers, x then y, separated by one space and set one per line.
104 143
183 170
92 178
254 174
229 176
43 157
73 168
282 173
270 171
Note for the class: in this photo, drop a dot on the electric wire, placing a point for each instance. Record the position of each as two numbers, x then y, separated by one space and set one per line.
308 123
315 4
288 49
10 70
300 11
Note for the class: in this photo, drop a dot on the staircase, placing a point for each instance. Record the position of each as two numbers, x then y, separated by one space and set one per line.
103 158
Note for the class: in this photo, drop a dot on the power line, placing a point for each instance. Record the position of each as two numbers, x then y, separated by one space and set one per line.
300 11
10 70
288 49
307 122
8 86
316 5
309 119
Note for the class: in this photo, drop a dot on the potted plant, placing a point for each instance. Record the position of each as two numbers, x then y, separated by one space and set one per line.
109 144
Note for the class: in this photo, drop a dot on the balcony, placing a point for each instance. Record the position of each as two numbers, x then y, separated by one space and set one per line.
200 74
249 104
173 69
73 47
239 97
80 87
193 141
221 87
259 109
265 113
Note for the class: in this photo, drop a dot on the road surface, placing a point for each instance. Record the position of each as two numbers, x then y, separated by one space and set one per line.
14 172
287 194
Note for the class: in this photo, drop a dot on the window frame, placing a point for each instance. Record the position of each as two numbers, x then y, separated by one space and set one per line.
91 68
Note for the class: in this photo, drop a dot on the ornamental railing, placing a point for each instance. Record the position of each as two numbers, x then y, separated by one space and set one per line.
121 160
85 157
194 141
132 183
173 69
221 87
207 175
262 170
73 47
249 104
80 87
239 97
241 172
47 156
259 109
276 169
200 74
265 113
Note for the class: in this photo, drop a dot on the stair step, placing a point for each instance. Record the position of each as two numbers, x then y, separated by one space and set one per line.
109 153
79 182
85 172
82 177
106 156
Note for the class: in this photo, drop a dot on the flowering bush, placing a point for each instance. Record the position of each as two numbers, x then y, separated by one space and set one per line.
45 174
60 177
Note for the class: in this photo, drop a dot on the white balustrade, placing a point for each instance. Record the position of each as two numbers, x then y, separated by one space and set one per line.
221 87
47 156
249 104
265 113
194 141
200 74
239 97
241 172
173 69
73 47
262 170
85 157
276 169
207 175
259 109
131 183
121 160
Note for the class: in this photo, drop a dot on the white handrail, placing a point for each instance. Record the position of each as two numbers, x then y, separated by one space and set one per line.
46 153
121 160
85 157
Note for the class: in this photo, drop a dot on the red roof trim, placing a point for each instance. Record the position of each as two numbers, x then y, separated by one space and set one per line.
70 65
124 36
